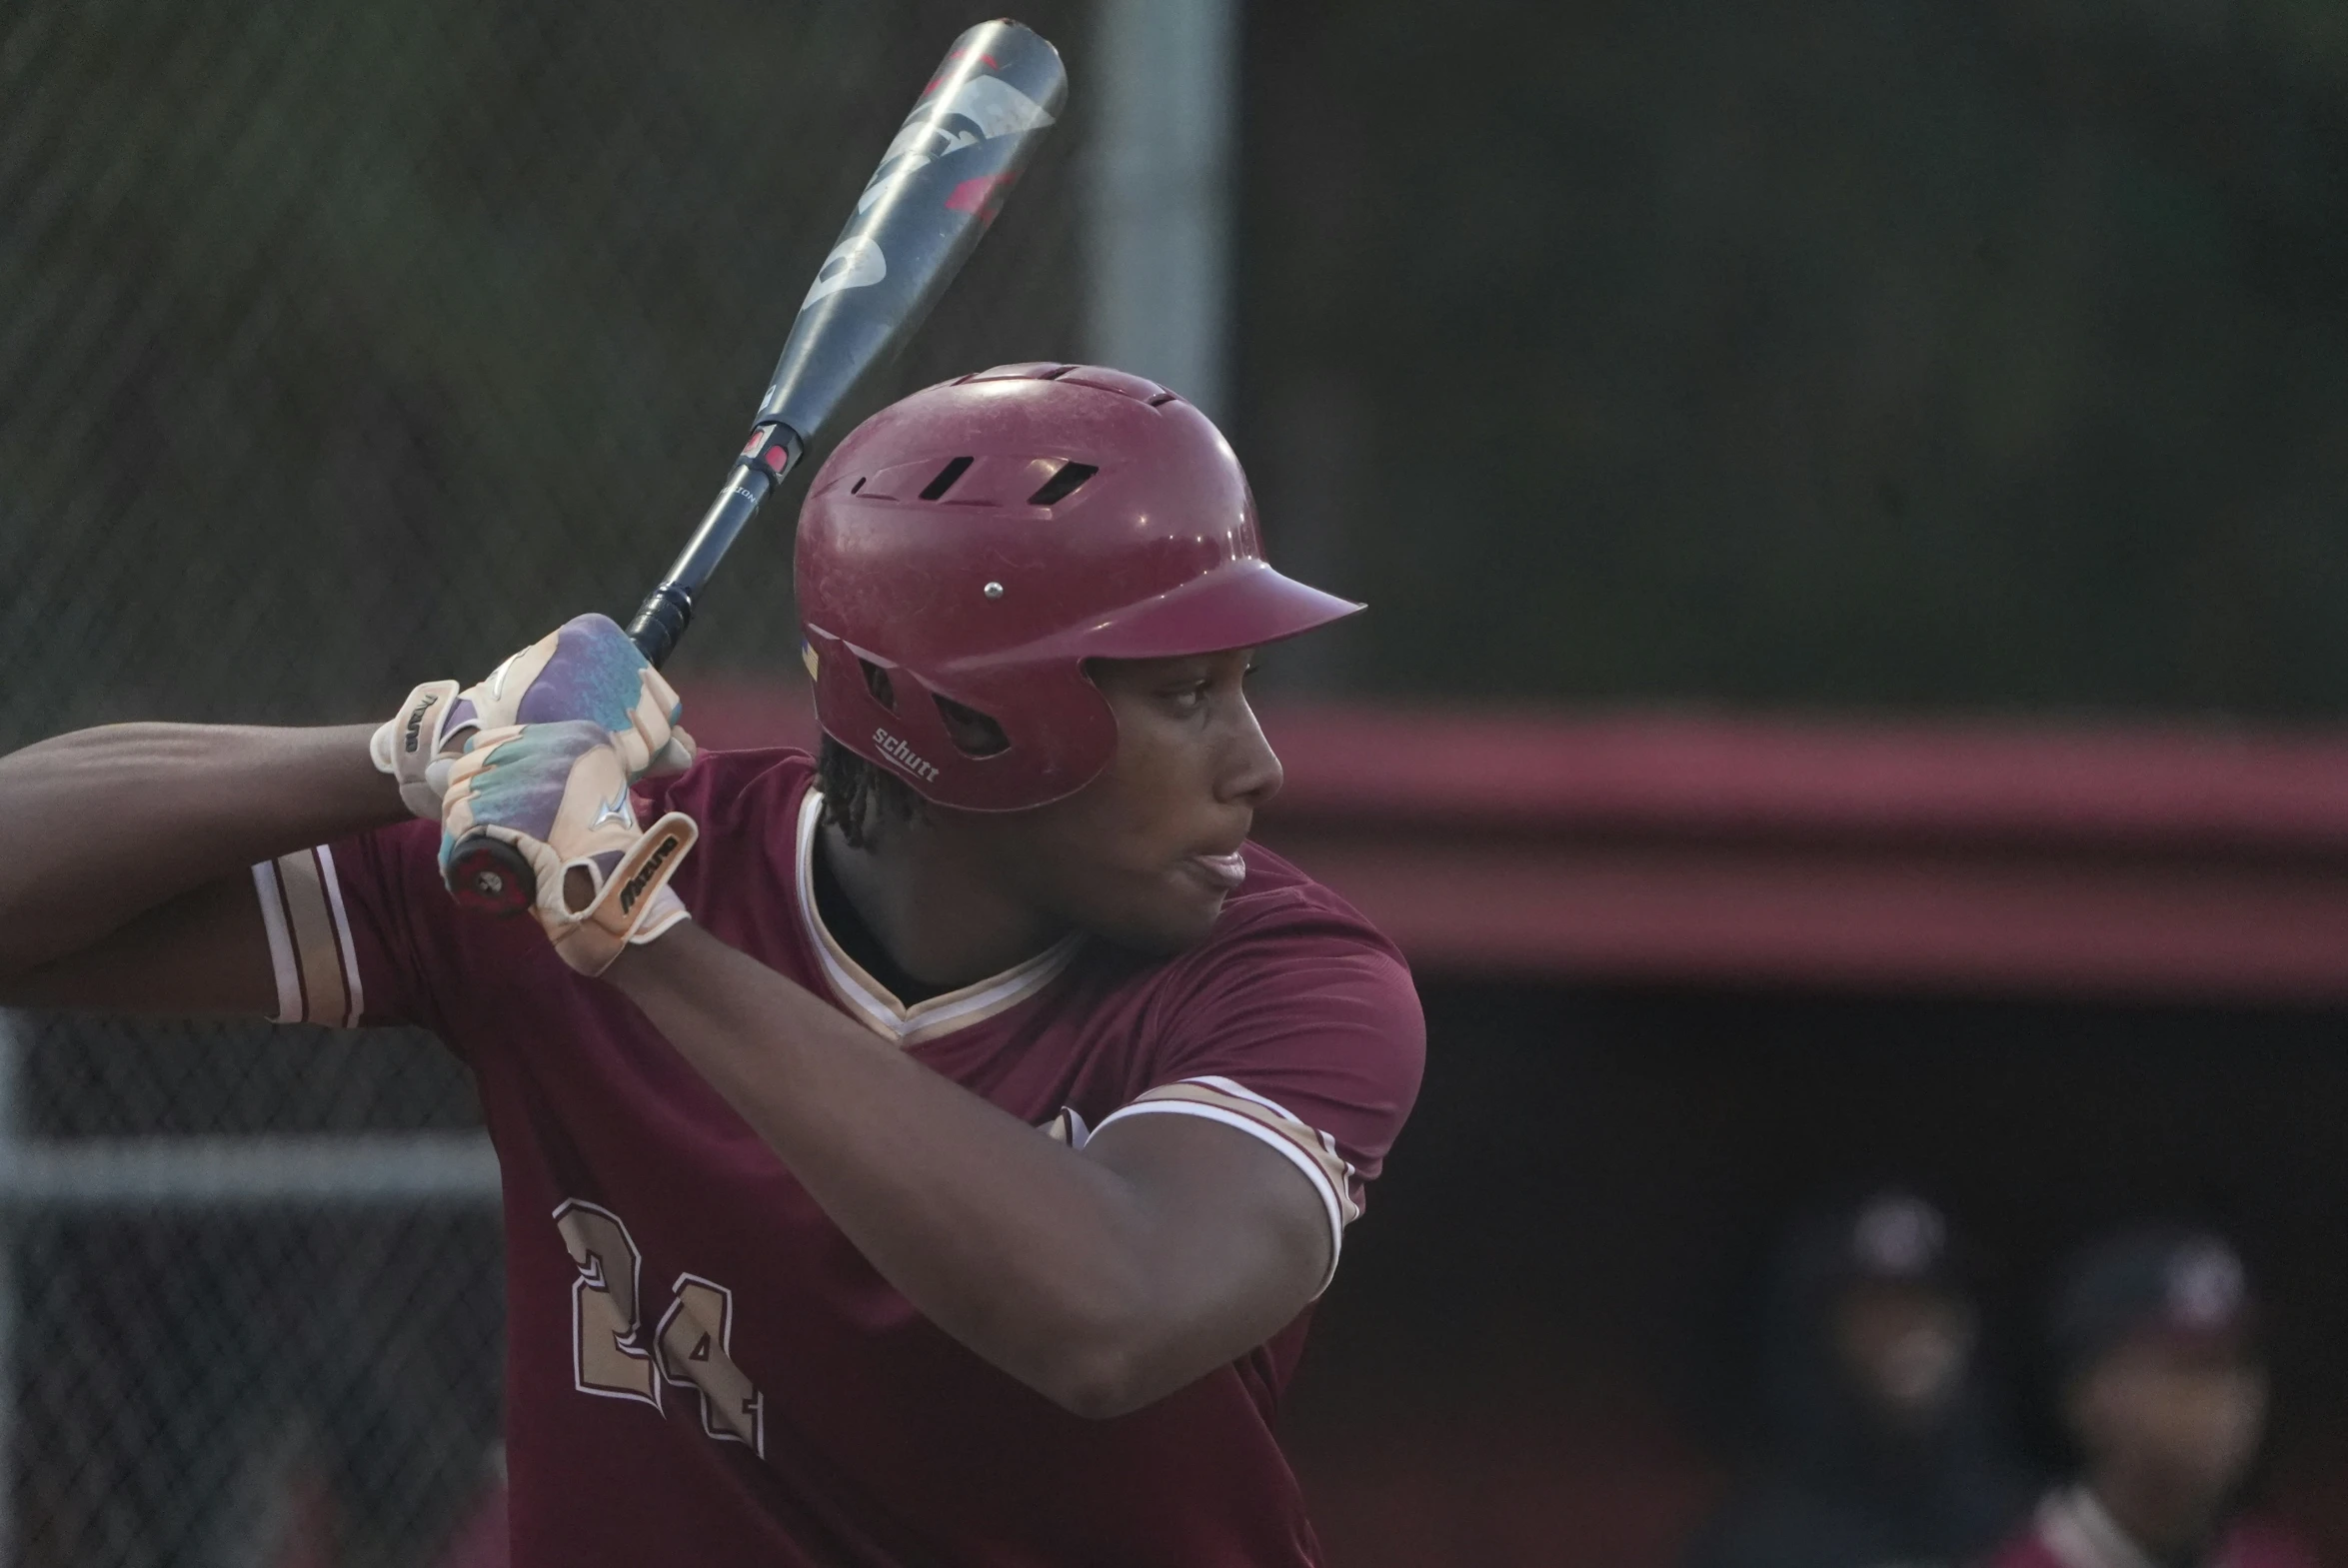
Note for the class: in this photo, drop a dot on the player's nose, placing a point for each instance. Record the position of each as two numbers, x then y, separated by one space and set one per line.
1250 773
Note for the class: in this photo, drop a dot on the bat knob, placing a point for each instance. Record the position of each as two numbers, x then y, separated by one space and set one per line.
487 876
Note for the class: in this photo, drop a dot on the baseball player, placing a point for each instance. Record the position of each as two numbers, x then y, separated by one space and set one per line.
2165 1395
928 1151
1882 1447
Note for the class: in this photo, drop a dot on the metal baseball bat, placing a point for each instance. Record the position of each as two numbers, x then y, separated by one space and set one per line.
938 187
940 184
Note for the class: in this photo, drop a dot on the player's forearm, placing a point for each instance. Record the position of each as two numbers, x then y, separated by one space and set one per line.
1035 1258
103 825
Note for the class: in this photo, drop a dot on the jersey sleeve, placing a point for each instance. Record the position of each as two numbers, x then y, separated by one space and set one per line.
342 937
1309 1040
361 931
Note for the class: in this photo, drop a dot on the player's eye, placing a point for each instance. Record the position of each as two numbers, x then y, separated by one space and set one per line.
1188 697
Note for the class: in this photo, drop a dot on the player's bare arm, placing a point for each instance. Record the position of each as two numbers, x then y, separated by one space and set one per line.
126 855
127 850
1104 1278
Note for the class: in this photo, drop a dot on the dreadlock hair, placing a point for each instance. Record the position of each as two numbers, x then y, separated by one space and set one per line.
859 797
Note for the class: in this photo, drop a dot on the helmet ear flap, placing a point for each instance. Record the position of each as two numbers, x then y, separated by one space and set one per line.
948 748
974 733
853 687
1060 729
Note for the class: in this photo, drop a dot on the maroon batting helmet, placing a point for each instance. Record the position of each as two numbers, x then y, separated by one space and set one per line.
965 550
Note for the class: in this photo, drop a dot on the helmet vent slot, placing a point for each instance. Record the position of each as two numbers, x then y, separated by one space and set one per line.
1162 399
877 682
1063 484
974 733
954 469
858 488
1057 372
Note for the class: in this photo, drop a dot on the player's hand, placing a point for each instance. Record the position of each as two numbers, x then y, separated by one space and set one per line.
558 795
587 668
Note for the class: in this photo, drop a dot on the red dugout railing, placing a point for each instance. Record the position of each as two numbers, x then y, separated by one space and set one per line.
2149 862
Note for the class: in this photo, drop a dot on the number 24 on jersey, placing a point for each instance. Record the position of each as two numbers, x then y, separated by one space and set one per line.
690 1348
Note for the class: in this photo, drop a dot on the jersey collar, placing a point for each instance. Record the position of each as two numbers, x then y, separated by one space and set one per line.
2081 1534
872 1005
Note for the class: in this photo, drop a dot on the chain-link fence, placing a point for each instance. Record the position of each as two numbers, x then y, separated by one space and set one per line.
340 348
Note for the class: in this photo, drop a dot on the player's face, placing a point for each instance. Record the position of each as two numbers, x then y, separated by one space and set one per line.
1147 854
2181 1418
1904 1349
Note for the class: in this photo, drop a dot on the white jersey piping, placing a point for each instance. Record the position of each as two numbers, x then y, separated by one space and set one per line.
872 1005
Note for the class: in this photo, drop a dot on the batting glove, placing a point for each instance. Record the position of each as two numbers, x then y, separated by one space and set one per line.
588 669
557 793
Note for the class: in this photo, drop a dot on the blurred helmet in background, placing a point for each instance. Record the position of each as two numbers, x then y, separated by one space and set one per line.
2155 1331
2161 1283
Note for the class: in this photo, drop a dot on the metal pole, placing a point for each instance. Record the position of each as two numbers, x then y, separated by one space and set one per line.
272 1170
13 1044
1159 193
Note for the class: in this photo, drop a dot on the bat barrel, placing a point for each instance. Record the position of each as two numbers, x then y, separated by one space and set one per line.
938 189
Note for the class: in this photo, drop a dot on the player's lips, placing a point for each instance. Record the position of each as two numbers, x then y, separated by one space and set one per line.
1225 872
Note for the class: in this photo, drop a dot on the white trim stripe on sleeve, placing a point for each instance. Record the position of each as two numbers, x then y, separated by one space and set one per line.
1256 1130
1275 1118
356 1004
323 963
1312 1152
281 944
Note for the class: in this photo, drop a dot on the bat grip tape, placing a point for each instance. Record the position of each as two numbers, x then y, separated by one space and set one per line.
659 621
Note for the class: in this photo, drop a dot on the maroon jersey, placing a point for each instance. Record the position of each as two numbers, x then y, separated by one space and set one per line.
2071 1530
701 1367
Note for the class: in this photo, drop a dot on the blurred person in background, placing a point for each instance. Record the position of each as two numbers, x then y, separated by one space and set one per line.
2165 1393
1881 1450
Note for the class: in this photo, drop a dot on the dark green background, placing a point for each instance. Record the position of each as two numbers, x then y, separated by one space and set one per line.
1893 353
1876 354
